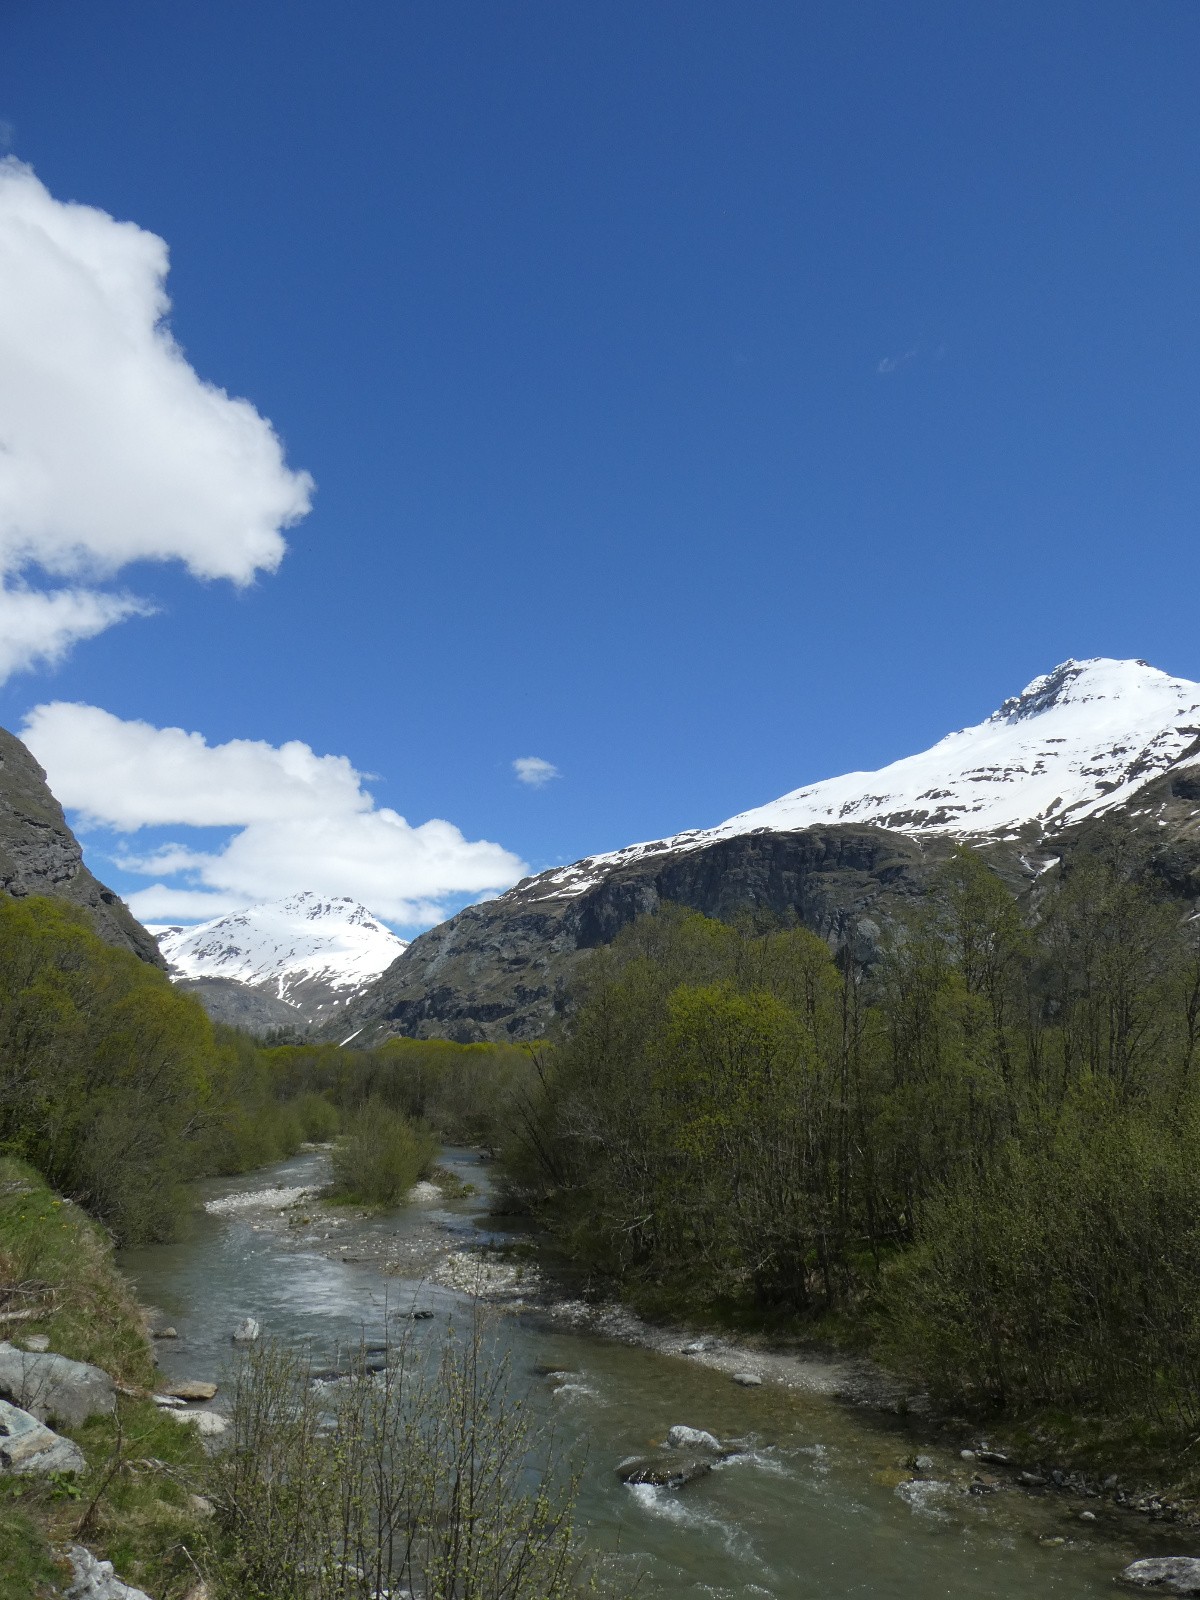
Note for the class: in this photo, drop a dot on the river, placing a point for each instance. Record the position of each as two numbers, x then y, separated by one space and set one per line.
816 1506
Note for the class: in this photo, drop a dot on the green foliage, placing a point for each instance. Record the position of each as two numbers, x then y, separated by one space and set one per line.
463 1091
103 1067
1067 1274
116 1086
380 1156
988 1147
57 1263
26 1566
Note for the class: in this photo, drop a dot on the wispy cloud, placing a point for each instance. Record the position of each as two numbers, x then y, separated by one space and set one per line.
894 363
535 772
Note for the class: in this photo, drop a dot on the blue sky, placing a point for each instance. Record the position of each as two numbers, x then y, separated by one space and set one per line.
704 399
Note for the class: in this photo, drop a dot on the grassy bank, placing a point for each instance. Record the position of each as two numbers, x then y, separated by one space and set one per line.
141 1466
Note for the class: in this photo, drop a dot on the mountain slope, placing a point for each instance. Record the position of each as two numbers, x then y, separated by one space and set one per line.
286 960
40 855
1090 739
1077 742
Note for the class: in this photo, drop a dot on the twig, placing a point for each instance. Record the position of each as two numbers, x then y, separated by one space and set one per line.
114 1467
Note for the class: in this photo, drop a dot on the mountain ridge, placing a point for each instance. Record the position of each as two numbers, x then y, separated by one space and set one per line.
845 856
280 961
40 855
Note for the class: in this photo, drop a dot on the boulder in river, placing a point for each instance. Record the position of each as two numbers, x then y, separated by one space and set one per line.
683 1438
27 1446
96 1580
670 1469
1169 1574
247 1331
55 1389
191 1389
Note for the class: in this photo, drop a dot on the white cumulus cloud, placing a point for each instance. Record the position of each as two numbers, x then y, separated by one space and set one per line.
112 448
301 821
534 771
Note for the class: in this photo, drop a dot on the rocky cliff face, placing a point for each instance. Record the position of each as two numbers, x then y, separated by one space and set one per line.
40 855
501 970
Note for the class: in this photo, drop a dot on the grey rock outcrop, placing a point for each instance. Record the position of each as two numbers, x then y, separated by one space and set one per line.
40 855
501 970
27 1446
96 1580
54 1388
243 1005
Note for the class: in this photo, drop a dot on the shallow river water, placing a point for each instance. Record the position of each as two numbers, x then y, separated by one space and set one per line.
813 1509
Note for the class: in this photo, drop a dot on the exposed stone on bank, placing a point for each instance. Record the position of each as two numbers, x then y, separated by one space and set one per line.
96 1580
54 1388
28 1447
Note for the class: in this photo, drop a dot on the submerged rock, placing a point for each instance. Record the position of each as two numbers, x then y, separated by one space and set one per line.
670 1470
96 1580
55 1389
1171 1574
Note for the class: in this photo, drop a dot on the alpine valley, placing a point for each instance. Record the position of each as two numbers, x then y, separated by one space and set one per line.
1091 748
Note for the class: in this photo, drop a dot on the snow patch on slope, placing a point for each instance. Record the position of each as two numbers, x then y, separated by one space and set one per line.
1077 741
306 939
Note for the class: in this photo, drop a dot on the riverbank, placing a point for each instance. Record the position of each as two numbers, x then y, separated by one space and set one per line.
1092 1470
132 1503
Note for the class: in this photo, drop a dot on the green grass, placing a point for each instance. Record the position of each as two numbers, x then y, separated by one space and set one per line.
143 1465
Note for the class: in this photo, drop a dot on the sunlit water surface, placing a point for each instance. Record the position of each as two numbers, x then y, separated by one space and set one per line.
811 1510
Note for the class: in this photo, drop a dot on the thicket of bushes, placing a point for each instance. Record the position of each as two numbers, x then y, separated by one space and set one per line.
119 1089
115 1086
381 1155
464 1092
990 1146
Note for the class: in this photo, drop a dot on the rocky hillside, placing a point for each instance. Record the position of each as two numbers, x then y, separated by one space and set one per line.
40 855
1093 743
284 963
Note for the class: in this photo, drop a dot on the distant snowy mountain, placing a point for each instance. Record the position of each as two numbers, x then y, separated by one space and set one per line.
1078 741
310 951
844 857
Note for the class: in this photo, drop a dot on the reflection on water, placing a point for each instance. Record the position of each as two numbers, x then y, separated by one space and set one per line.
812 1507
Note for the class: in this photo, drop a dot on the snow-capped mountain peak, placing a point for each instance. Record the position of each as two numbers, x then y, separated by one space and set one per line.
1076 741
309 950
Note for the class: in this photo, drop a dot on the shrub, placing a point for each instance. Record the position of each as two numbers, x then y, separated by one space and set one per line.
381 1156
319 1120
1065 1276
410 1481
